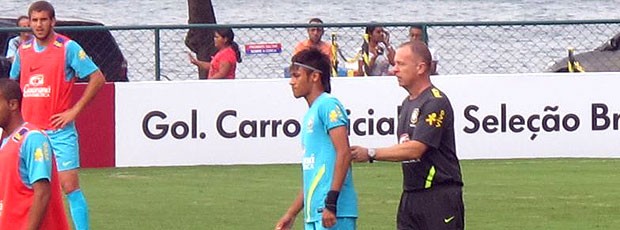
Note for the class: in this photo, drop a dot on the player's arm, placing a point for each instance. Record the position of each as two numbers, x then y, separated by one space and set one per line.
427 135
340 138
40 200
287 221
84 67
223 70
409 150
96 81
36 157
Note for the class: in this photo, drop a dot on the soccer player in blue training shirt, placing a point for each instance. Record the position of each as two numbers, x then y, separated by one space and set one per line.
328 198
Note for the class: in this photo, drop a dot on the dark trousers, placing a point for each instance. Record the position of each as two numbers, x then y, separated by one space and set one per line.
440 208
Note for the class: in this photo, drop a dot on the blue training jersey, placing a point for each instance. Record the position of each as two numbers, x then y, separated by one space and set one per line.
75 67
35 161
319 160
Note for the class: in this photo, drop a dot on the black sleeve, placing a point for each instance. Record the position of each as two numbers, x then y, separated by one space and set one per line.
430 127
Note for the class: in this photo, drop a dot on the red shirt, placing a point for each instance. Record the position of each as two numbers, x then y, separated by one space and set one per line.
225 55
16 199
42 79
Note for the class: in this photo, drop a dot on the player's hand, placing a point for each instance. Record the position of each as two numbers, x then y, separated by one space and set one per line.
359 154
285 223
60 120
329 218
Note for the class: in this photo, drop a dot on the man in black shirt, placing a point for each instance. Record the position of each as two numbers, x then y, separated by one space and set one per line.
432 188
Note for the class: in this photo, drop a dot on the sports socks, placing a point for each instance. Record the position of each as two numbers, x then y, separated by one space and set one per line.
78 209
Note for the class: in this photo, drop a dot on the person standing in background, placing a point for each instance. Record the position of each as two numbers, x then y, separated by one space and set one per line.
315 34
22 21
47 68
380 53
416 32
224 64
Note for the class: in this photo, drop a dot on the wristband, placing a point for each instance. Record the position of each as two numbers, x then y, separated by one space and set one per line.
331 200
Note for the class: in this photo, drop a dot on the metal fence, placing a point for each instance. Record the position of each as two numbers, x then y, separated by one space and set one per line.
159 52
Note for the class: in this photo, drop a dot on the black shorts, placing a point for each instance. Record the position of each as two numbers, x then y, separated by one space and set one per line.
440 207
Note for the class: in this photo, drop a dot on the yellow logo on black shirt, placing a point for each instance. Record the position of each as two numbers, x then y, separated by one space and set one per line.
436 93
436 119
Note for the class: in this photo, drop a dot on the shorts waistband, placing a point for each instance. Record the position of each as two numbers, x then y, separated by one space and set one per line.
436 187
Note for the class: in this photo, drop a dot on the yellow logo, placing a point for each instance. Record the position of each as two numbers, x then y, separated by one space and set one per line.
20 134
26 46
17 137
82 55
435 119
57 44
436 93
335 114
38 155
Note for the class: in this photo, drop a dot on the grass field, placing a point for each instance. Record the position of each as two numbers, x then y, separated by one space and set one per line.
499 194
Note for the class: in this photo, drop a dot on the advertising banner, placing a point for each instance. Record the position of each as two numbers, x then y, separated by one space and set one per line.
259 121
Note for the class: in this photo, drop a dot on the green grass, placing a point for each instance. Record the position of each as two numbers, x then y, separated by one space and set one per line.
499 194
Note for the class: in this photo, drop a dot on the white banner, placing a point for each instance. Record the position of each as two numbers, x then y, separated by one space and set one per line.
258 121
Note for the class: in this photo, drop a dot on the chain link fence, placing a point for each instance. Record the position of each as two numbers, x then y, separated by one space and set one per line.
159 52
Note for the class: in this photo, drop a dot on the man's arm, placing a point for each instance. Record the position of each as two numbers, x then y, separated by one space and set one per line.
41 197
36 158
428 134
84 67
96 81
287 221
409 150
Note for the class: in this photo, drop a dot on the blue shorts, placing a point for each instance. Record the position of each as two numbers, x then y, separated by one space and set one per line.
342 223
65 147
